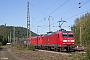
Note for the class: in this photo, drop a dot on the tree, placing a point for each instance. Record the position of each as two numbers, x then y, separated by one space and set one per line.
0 43
83 22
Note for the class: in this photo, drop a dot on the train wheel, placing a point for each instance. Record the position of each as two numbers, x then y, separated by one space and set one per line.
46 47
68 49
49 48
56 49
39 47
60 49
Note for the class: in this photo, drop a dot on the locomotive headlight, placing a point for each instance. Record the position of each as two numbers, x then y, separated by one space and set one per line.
72 41
64 40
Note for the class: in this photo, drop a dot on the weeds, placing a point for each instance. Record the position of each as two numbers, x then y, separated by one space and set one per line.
24 47
31 47
88 54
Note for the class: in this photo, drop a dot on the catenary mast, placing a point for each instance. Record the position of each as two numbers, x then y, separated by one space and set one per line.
28 22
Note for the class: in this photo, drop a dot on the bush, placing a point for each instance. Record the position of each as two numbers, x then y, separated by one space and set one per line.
88 54
31 47
21 47
0 43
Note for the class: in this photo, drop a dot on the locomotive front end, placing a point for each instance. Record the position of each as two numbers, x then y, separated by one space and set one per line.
68 40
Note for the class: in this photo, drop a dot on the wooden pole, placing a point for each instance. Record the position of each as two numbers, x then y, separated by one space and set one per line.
80 36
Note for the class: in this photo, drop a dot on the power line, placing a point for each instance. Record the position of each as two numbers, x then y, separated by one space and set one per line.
52 5
54 11
47 9
69 17
74 7
59 7
85 3
81 12
78 14
72 11
66 10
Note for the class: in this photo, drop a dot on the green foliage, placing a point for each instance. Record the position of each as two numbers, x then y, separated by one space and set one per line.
24 47
20 33
31 47
3 39
19 47
70 55
84 23
0 43
88 54
81 57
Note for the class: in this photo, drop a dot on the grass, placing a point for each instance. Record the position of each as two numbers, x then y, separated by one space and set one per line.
24 47
9 56
31 47
88 54
34 54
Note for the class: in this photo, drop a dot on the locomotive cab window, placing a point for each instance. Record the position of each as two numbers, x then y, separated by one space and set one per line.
64 35
67 35
70 35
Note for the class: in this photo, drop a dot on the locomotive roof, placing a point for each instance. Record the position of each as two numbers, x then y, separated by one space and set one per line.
67 31
49 34
61 30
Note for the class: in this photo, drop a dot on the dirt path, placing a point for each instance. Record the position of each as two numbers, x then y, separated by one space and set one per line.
16 57
3 52
7 54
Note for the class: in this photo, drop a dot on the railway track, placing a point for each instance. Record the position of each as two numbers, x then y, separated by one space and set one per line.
63 52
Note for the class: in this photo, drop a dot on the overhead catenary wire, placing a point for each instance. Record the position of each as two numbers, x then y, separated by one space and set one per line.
85 3
72 16
74 9
69 10
65 11
46 9
78 14
52 5
54 11
59 7
53 23
81 12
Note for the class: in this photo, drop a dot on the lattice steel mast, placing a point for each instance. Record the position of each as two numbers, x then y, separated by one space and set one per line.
28 22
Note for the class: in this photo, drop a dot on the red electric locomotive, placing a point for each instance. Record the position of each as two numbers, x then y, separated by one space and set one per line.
39 41
36 41
58 41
